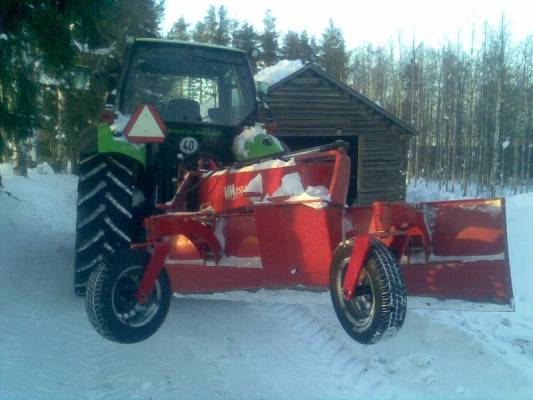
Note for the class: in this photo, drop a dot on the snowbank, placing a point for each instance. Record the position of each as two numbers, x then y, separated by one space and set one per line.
279 71
422 190
519 210
7 169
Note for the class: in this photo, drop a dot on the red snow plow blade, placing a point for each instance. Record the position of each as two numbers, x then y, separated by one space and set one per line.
468 258
458 251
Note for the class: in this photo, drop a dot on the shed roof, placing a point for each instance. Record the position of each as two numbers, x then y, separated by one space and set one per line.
351 92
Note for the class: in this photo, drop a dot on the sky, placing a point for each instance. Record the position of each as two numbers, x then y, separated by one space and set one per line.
376 22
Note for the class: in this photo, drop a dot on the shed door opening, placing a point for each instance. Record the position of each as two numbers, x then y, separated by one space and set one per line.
302 142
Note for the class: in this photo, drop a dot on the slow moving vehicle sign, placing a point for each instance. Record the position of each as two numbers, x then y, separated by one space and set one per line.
145 125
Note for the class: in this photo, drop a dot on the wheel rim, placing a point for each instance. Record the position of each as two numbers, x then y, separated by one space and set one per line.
125 306
361 308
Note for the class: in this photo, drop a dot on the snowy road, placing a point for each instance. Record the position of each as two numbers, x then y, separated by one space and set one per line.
248 348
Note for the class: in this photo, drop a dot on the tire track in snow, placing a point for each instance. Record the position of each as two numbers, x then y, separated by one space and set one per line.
320 350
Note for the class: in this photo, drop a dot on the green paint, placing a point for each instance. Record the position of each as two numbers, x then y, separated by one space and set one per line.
109 144
263 145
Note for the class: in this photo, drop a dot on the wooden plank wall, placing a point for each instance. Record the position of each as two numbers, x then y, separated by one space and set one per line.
380 169
309 105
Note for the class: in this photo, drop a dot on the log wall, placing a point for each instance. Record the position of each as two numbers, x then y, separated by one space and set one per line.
310 105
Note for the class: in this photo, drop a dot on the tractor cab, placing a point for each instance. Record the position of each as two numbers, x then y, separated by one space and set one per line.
204 96
189 84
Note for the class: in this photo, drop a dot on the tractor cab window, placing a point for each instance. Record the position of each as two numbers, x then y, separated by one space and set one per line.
188 88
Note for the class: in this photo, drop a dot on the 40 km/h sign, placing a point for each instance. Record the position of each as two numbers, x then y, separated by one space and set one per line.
145 125
188 145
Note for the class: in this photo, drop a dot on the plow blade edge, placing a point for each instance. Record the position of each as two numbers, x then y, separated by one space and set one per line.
466 266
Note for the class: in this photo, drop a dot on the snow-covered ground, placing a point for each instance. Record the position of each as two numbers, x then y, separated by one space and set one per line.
268 345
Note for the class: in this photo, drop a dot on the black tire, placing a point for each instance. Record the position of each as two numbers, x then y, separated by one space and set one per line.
106 219
378 307
110 299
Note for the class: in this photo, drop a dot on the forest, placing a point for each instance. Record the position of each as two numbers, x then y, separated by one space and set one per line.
470 99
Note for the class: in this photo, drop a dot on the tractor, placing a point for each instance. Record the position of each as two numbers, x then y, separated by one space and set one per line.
181 191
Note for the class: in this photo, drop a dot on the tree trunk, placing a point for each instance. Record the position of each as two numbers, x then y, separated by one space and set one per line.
20 159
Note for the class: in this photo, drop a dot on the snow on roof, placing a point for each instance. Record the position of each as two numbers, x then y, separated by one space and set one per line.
275 73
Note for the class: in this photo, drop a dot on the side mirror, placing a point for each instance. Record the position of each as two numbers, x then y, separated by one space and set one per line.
81 77
262 90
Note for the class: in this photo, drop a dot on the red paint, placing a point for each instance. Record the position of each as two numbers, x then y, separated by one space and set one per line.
295 242
486 281
155 265
357 260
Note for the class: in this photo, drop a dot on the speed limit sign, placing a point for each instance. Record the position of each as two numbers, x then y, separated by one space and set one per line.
188 145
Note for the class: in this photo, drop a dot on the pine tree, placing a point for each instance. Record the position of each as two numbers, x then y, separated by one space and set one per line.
332 56
211 24
307 47
269 40
199 33
246 39
180 30
222 34
290 49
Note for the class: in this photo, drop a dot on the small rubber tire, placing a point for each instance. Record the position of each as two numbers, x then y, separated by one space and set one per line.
109 281
377 310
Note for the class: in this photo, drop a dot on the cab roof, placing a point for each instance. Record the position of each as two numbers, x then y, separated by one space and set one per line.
189 44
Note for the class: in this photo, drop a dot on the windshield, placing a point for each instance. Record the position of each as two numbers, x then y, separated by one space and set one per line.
190 85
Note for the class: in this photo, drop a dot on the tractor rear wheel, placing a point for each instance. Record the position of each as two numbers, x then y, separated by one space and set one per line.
377 309
106 219
111 303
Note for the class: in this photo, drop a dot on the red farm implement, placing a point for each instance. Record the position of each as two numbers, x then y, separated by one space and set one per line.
283 223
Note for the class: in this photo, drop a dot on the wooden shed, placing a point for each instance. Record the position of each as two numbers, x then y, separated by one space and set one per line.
312 108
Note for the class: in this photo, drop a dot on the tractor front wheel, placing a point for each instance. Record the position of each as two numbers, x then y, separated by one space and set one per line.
111 303
377 309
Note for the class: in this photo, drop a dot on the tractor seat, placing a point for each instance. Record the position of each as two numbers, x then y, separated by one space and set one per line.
183 110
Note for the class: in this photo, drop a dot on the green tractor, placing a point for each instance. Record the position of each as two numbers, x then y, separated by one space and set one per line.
204 95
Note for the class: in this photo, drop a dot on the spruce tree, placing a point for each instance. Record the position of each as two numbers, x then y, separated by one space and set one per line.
246 39
269 40
211 24
332 56
222 34
290 49
180 30
199 33
38 38
307 47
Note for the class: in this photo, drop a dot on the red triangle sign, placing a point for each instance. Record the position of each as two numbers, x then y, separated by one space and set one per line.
145 125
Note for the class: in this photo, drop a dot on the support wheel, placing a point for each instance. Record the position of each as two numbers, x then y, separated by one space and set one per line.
110 299
377 310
